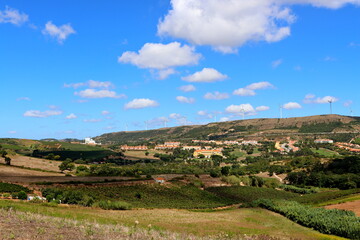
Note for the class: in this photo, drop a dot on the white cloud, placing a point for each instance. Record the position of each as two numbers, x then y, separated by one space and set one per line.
202 113
291 105
23 99
247 109
187 88
44 114
348 103
71 116
92 120
250 89
141 103
12 132
175 115
244 92
159 121
228 24
259 85
276 63
262 108
165 73
206 75
105 112
13 16
216 96
183 99
93 93
310 98
91 84
161 56
329 59
60 33
224 119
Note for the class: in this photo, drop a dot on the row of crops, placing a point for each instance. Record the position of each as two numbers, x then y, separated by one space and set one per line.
12 188
335 222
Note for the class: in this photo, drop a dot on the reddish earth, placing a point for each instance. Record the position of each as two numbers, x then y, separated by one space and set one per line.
351 206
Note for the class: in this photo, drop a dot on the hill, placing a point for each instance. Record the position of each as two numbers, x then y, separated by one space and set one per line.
262 127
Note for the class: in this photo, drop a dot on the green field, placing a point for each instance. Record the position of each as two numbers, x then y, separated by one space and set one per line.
325 152
219 224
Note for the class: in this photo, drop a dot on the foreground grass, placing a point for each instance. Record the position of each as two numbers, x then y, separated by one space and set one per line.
229 224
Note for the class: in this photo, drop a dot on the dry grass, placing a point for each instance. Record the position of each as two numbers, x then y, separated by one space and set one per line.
351 206
20 225
25 176
38 163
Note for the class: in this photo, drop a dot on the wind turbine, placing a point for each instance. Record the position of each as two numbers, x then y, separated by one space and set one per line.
330 101
281 111
146 125
243 113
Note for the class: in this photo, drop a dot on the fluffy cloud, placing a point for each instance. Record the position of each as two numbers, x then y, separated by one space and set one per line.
105 112
244 92
60 33
250 89
175 115
165 73
216 96
13 16
161 56
92 120
71 116
141 103
247 109
310 98
259 85
262 108
23 99
187 88
91 84
93 93
44 114
291 105
228 24
206 75
183 99
276 63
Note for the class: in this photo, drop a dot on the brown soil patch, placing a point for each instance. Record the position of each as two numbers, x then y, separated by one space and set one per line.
351 206
31 162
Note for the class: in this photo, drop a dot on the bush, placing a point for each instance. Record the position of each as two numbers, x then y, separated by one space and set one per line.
22 195
113 205
336 222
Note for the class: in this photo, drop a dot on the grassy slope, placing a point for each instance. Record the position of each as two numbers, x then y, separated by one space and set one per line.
233 222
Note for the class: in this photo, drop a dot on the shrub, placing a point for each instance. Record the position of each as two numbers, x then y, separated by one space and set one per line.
337 222
22 195
113 205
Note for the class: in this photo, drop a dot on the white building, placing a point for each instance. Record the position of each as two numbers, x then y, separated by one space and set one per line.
90 141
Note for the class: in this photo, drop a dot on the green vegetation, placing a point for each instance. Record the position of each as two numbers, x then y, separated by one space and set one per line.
320 127
321 197
141 196
12 188
113 205
300 190
337 222
325 152
249 194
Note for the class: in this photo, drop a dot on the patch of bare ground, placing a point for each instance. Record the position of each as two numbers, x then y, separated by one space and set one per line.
38 163
25 226
26 176
351 206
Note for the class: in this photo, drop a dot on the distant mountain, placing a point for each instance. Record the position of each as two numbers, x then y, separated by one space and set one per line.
251 128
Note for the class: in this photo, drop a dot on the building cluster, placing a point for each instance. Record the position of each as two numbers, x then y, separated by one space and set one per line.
349 146
90 141
134 148
323 141
228 143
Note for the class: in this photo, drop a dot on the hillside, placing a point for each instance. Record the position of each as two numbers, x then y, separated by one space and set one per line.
242 128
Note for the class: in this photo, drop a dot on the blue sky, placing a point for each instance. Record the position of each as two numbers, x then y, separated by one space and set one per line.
83 68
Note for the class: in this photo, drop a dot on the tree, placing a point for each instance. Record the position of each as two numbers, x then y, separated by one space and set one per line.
7 160
66 165
225 170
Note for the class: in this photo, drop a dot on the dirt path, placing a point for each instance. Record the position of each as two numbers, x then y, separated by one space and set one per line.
351 206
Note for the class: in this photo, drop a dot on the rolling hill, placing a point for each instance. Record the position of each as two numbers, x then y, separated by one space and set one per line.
251 128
